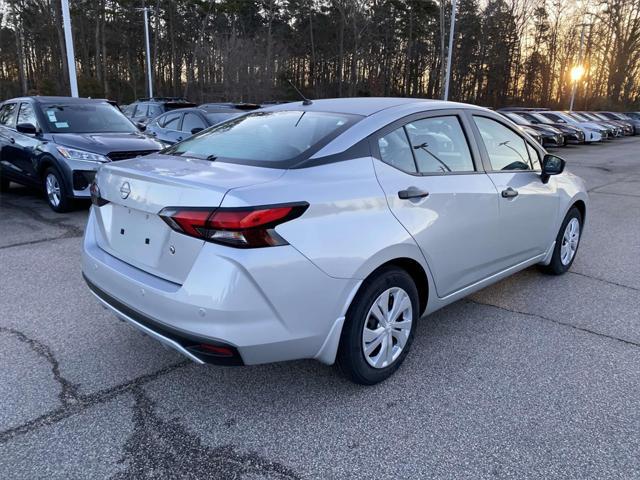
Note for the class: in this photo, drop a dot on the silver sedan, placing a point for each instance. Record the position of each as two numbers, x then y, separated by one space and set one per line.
325 229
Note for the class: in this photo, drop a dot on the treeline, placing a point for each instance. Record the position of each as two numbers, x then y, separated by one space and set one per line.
506 52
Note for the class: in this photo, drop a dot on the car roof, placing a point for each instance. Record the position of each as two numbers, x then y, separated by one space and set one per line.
52 99
365 106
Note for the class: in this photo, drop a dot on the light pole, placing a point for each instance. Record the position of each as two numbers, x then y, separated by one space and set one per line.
146 43
578 70
450 51
68 40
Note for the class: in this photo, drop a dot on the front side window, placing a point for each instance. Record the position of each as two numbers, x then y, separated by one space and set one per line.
27 115
191 121
264 138
396 151
87 117
506 149
439 145
7 114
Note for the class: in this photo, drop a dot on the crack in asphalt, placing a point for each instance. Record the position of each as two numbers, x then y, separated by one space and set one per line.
82 402
68 391
558 322
610 282
42 240
160 448
70 231
615 194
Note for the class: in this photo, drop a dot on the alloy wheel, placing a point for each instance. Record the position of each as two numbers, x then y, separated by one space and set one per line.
53 189
387 327
570 240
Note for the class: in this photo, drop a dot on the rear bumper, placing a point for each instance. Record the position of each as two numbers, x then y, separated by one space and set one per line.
265 305
190 346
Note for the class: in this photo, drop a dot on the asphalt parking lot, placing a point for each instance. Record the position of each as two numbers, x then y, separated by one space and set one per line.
534 377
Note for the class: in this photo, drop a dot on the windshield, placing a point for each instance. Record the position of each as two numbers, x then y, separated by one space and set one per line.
578 117
264 138
86 118
517 119
542 118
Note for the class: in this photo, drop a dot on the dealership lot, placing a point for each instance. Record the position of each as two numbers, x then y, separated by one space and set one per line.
535 377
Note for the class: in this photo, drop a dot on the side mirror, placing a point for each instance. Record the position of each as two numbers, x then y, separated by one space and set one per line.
141 126
196 130
551 165
27 128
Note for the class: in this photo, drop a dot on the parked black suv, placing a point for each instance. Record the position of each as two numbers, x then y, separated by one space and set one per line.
58 143
144 110
177 125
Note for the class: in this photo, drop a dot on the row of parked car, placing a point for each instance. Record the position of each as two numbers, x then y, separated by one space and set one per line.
561 128
58 143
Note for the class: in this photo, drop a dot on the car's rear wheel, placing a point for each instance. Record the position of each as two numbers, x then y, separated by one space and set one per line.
567 243
57 195
379 327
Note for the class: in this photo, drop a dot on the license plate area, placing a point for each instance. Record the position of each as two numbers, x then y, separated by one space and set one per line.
138 235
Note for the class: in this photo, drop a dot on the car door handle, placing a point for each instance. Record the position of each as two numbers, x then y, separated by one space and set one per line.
12 140
412 192
179 139
509 193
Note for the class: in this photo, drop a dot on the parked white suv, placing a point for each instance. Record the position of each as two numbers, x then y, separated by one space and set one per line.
325 230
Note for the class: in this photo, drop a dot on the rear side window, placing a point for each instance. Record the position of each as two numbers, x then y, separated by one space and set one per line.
439 145
506 149
396 151
266 138
7 114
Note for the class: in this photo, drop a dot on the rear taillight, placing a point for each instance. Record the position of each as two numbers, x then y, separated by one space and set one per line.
246 227
96 199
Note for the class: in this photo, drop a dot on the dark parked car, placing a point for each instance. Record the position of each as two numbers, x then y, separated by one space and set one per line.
177 125
58 143
624 128
621 117
144 110
571 134
551 136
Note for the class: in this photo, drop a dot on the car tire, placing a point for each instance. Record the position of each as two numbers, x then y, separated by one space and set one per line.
4 184
567 243
364 356
55 191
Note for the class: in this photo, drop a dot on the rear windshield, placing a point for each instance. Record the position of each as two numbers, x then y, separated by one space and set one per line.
86 118
219 117
265 138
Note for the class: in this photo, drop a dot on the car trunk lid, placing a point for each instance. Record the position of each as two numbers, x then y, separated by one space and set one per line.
136 190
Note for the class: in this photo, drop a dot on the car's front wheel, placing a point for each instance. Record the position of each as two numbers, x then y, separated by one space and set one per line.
567 243
57 195
379 327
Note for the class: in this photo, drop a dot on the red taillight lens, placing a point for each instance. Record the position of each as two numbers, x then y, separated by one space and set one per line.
238 227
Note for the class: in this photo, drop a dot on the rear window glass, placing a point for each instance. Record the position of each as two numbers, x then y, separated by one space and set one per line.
265 138
220 117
